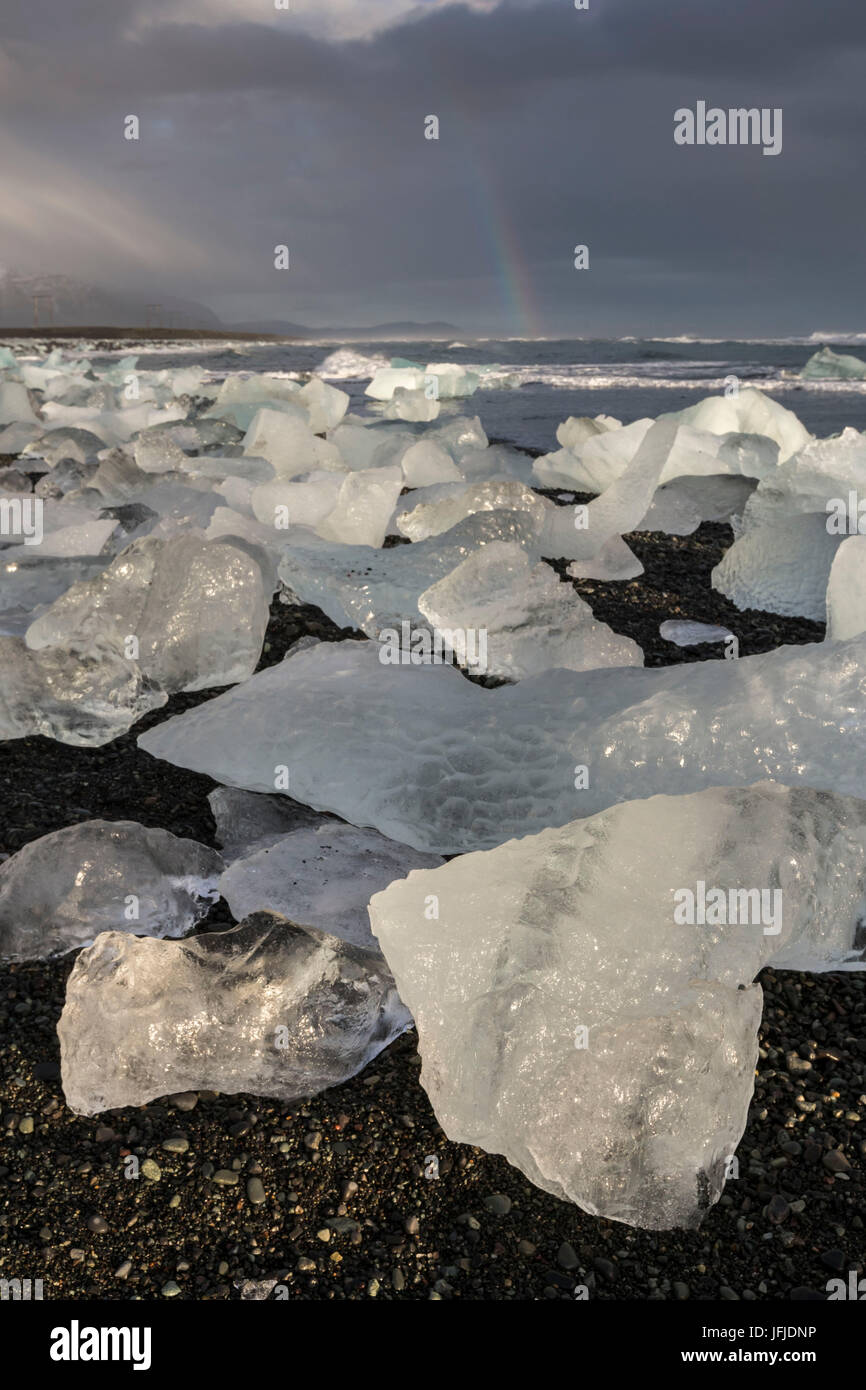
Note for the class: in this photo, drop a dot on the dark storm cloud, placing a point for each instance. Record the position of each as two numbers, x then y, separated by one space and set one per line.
556 128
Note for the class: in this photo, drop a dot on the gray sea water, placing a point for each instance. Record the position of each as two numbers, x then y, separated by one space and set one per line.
554 378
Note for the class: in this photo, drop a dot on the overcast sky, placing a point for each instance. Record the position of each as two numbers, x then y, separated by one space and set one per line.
305 127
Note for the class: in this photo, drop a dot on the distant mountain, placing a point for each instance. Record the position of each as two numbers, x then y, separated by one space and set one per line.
65 302
380 332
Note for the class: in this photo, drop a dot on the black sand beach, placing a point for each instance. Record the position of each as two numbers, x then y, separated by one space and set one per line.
329 1200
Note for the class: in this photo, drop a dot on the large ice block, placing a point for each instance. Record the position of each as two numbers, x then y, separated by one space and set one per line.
584 997
268 1008
428 757
60 891
190 613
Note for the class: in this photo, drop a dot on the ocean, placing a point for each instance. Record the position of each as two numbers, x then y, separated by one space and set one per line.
550 379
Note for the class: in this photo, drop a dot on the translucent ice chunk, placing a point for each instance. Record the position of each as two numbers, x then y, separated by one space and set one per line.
249 468
433 515
301 503
268 1008
15 437
603 457
239 397
846 591
817 479
62 890
363 507
603 1037
28 579
781 567
412 405
427 463
360 586
54 445
505 617
576 431
15 404
322 877
452 380
714 497
248 821
613 561
325 404
386 382
689 634
82 700
747 411
285 440
428 757
90 538
190 613
828 364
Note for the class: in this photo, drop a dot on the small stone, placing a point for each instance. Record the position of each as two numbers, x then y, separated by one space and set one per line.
796 1063
373 1288
681 1290
324 1234
526 1247
312 1140
348 1189
498 1203
104 1134
124 1270
225 1177
834 1259
343 1225
398 1280
256 1191
777 1209
411 1225
836 1161
606 1268
305 1265
174 1201
567 1256
25 1124
728 1294
176 1144
171 1289
151 1170
97 1224
184 1100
